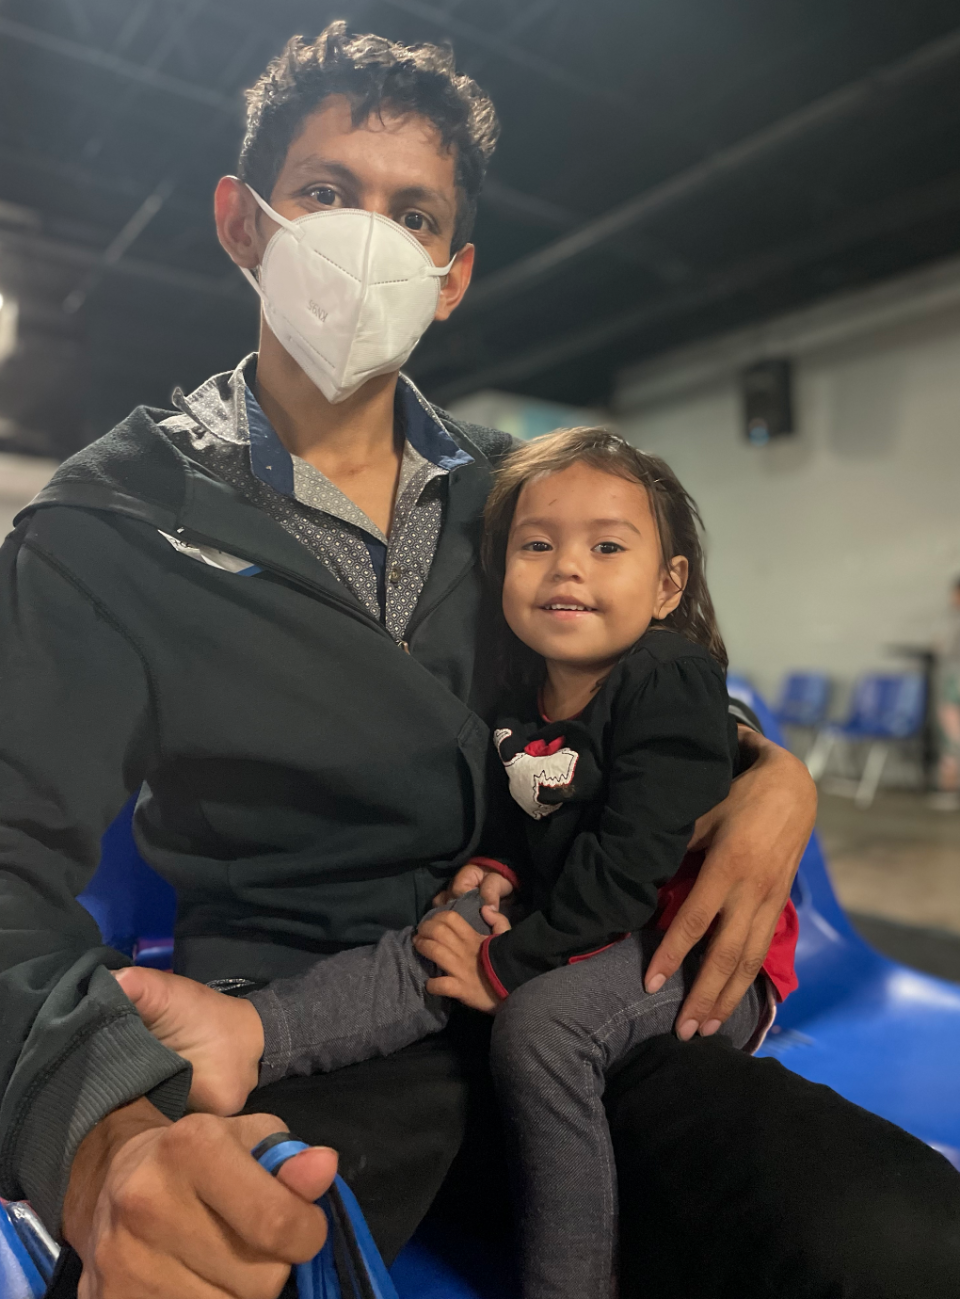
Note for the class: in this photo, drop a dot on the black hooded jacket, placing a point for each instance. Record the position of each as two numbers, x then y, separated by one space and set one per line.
307 783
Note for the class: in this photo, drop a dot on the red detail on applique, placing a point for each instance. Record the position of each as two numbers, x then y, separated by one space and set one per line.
487 966
585 956
491 864
545 748
778 966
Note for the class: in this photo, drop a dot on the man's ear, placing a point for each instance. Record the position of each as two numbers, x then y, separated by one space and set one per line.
242 236
673 582
456 282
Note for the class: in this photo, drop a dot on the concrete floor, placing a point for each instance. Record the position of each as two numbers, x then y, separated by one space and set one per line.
896 869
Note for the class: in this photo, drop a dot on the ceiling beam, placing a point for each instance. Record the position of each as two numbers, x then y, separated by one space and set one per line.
831 108
120 67
897 213
511 53
29 244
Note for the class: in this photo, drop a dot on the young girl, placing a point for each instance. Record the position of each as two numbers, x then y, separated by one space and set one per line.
614 737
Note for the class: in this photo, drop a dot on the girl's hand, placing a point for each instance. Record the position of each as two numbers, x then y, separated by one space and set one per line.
492 885
221 1036
450 942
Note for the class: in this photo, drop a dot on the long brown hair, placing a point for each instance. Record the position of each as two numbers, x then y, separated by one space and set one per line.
679 528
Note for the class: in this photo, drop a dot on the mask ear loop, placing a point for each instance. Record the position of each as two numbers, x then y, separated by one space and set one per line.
280 220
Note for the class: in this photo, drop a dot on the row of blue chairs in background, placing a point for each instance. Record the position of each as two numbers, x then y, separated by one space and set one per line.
885 1036
886 710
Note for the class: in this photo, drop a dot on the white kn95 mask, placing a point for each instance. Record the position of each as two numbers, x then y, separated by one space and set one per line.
348 293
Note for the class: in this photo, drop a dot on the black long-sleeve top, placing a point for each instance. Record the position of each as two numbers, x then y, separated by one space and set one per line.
604 804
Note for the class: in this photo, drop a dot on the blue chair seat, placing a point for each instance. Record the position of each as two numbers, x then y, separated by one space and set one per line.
884 1036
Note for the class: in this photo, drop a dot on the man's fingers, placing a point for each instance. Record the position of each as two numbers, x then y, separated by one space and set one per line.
730 962
696 915
147 989
310 1173
750 965
268 1217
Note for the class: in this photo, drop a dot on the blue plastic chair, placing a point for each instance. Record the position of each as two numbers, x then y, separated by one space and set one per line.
804 699
882 1035
885 709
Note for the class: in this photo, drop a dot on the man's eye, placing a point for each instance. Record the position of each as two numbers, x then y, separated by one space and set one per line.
324 194
414 220
608 547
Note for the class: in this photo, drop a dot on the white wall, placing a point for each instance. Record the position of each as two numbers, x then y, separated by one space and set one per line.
828 546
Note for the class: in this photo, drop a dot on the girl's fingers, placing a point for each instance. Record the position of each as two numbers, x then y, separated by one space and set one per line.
498 922
444 986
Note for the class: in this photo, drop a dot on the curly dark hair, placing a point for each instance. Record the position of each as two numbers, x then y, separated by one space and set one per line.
374 74
679 528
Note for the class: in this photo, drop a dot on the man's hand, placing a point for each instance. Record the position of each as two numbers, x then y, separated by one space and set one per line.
221 1036
754 840
182 1211
492 885
450 942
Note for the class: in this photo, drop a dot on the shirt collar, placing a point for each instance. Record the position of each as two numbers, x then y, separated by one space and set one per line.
273 464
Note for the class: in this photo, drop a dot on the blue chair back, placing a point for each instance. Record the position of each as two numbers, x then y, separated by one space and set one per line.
826 935
126 897
887 706
804 699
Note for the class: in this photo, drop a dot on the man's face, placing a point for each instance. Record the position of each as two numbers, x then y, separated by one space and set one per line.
396 166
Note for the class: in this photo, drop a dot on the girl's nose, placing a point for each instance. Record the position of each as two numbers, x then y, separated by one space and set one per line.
567 567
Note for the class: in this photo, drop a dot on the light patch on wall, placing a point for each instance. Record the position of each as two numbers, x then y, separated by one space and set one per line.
8 326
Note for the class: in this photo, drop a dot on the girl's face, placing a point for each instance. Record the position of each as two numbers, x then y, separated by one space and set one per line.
584 573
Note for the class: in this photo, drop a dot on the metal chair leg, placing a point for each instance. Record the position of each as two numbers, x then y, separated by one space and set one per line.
872 771
819 754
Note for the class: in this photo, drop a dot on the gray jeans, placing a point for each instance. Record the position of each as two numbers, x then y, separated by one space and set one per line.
554 1041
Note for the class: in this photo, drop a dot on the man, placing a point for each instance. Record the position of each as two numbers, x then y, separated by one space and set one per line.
263 607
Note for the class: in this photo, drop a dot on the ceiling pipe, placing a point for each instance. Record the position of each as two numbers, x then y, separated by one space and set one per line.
825 111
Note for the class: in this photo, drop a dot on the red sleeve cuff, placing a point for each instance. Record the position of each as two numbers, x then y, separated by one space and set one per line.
489 972
491 864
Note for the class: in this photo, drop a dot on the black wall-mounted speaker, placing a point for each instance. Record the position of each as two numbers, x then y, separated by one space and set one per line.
767 404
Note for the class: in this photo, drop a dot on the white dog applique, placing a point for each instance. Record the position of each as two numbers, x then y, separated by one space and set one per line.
542 764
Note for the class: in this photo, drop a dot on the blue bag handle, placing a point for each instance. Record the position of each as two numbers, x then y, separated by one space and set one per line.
349 1266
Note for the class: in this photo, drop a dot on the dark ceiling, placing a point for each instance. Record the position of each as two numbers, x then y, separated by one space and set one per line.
667 169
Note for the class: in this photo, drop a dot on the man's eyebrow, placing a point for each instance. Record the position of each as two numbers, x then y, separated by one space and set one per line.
530 521
422 194
314 163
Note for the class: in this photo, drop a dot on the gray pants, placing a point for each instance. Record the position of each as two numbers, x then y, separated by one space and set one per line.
554 1041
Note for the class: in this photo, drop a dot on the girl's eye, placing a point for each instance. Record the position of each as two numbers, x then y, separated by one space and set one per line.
414 221
538 546
324 194
608 547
